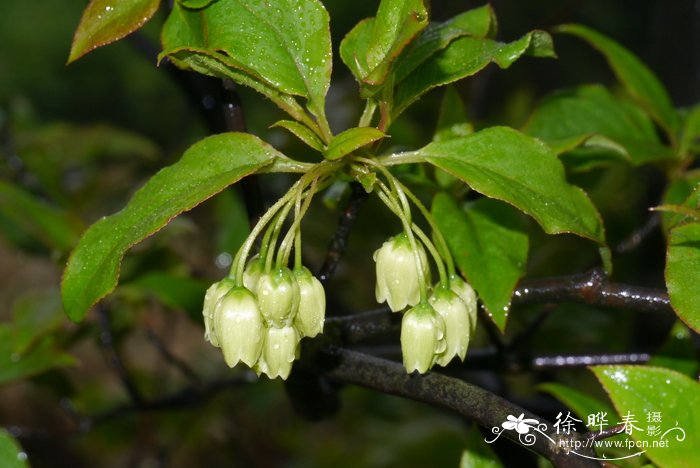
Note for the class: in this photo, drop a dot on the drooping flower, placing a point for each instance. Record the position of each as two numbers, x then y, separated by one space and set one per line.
278 296
468 296
253 270
312 303
215 292
422 338
279 352
239 327
455 314
398 281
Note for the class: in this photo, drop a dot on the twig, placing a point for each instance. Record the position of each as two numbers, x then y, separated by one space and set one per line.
607 432
592 288
561 361
112 355
339 242
639 235
171 359
472 402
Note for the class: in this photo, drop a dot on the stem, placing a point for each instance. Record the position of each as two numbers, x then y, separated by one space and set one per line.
368 113
278 228
411 157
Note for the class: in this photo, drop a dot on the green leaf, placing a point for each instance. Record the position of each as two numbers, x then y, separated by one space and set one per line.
284 44
590 111
351 140
105 21
489 244
690 134
465 57
684 191
302 132
478 453
371 47
683 271
40 357
11 453
478 22
34 316
577 401
678 352
452 118
639 81
195 4
502 163
51 226
205 169
640 390
585 152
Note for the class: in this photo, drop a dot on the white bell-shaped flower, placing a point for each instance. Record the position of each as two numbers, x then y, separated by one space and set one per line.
455 314
253 270
279 352
422 338
398 282
215 292
278 297
239 327
312 303
468 296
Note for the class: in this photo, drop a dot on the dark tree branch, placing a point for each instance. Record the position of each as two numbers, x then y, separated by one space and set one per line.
592 288
171 359
607 432
566 361
339 242
113 358
474 403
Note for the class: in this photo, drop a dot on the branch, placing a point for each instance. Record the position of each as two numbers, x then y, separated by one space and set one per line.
339 242
472 402
592 288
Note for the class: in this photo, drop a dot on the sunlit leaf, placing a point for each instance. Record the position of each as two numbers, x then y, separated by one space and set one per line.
205 169
489 244
105 21
683 271
350 140
637 78
640 390
505 164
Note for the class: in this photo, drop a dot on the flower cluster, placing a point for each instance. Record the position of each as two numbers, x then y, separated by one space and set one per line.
261 322
432 331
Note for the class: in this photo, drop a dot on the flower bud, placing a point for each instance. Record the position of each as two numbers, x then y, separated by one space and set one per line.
252 273
239 327
312 303
278 296
279 352
215 292
457 325
468 296
398 281
422 338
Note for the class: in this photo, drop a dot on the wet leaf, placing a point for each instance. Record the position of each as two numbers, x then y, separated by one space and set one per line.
370 49
350 140
205 169
285 44
489 244
505 164
465 57
638 79
683 271
11 453
640 390
106 21
302 132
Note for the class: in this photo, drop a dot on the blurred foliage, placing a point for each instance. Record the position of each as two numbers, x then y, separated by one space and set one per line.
76 141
